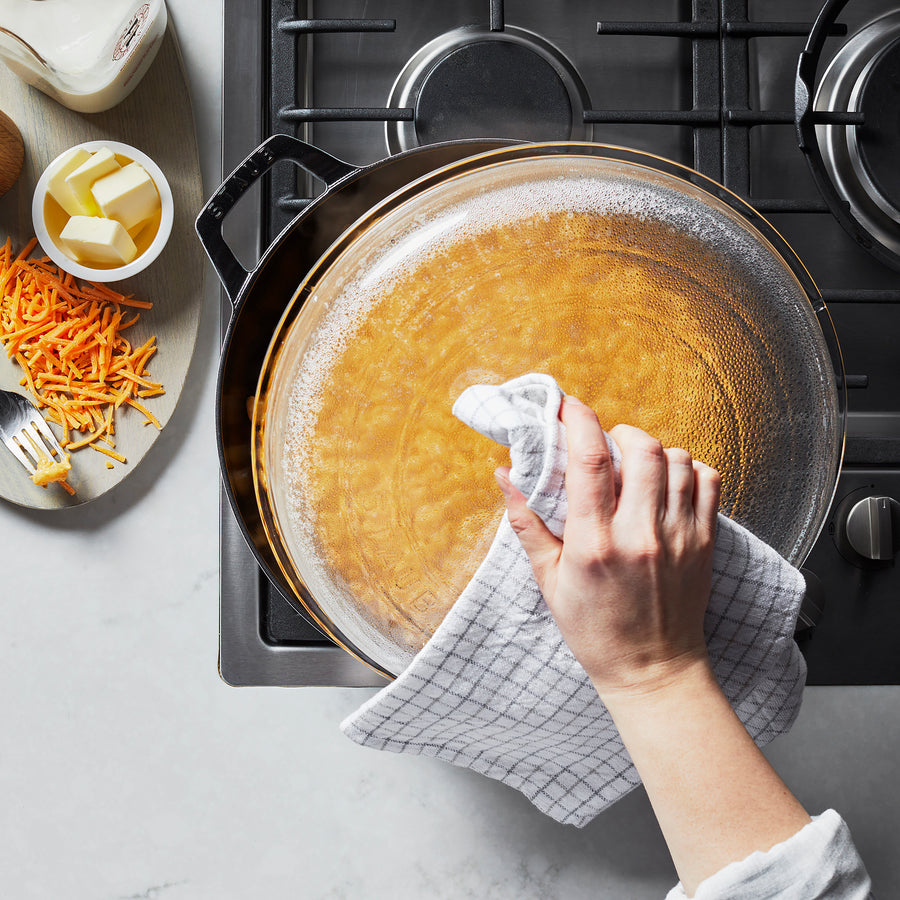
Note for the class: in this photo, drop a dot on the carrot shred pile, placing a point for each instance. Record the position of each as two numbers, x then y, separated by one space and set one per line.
68 338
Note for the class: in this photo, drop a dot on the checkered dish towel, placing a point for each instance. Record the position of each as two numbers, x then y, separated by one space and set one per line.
496 689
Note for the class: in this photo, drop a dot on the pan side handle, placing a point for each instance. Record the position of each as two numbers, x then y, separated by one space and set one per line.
279 147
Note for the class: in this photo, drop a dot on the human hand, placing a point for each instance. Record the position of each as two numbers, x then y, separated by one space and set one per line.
629 582
628 585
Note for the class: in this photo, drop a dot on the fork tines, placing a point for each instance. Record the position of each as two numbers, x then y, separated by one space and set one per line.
31 442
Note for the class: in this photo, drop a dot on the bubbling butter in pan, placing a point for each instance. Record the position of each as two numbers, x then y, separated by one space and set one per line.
593 283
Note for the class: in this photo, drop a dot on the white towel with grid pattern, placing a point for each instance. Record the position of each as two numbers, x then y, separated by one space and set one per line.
497 690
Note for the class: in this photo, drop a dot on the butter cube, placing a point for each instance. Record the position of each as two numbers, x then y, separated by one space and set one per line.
96 241
57 187
100 163
129 195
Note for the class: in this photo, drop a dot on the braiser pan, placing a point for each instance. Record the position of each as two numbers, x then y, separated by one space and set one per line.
646 290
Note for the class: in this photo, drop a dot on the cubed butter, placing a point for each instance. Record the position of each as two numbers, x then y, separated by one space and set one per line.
57 187
128 195
100 163
99 241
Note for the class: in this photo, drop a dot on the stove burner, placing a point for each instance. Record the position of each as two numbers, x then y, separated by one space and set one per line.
861 160
874 147
476 83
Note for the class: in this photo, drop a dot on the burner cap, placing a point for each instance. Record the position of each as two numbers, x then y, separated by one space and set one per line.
476 83
492 88
877 142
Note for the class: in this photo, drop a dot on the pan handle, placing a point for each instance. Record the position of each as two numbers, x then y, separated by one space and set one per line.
279 147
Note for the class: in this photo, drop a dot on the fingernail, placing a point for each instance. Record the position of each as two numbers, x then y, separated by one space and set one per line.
502 481
573 400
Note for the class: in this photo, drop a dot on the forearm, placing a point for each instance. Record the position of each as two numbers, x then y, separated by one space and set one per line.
715 795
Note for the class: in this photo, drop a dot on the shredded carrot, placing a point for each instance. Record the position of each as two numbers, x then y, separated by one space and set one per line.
67 337
109 452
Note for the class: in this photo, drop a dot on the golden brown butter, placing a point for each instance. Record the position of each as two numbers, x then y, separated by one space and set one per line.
620 312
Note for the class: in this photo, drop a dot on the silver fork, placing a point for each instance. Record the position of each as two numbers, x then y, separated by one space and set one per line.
24 431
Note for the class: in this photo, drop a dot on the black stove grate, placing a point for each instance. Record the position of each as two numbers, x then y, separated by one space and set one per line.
721 117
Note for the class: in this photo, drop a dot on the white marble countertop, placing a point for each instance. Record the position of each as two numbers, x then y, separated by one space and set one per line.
128 769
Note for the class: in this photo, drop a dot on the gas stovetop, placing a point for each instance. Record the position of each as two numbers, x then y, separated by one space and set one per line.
708 83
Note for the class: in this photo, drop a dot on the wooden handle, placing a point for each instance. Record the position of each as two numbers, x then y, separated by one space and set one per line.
12 153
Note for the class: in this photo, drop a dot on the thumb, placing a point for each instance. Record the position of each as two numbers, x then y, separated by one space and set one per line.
540 545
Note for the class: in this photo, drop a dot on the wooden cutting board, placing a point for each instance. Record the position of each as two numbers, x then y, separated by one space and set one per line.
156 118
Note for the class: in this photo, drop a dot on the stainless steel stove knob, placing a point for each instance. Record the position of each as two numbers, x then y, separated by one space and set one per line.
873 527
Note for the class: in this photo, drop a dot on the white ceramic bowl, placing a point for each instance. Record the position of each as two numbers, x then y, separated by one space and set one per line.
47 227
